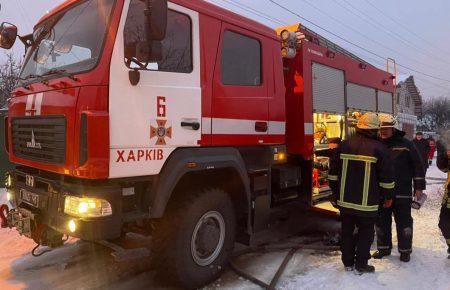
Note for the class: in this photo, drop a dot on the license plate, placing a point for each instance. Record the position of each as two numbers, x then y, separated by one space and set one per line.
29 197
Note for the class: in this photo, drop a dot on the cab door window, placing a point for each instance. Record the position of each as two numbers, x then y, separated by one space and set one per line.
241 60
176 47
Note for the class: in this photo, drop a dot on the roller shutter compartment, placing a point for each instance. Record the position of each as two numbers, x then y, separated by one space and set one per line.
328 89
361 98
384 102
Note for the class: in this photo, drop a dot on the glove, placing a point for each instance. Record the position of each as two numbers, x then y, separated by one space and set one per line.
430 162
387 203
418 193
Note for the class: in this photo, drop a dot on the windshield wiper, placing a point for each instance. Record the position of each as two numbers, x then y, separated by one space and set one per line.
30 76
25 81
40 78
61 72
47 73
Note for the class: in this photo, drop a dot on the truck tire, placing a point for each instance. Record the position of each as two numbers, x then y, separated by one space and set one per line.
193 241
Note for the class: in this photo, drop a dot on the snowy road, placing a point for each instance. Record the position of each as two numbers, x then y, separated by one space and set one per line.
81 265
428 269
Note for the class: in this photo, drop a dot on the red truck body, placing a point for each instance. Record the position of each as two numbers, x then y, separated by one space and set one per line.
114 147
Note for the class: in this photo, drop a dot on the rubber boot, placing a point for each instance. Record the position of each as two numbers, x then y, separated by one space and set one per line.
405 257
364 269
381 253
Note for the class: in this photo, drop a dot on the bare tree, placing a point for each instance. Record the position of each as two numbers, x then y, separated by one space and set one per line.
9 77
436 114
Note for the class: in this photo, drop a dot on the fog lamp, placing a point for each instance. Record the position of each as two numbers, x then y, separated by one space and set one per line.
87 207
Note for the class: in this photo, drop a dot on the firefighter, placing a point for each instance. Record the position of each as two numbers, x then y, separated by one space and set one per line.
361 175
443 162
409 170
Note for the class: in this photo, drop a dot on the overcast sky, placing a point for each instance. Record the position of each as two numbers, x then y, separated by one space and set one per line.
414 32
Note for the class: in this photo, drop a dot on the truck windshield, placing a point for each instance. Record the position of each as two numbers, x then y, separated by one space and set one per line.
68 42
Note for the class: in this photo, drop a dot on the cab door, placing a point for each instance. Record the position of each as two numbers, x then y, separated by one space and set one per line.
240 106
163 110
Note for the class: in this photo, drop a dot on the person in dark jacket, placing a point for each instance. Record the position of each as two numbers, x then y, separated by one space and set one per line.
432 144
443 163
361 174
423 147
408 170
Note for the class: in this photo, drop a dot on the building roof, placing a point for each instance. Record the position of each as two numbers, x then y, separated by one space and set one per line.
414 92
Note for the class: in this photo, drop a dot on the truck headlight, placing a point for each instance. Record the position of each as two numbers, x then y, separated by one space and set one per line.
86 207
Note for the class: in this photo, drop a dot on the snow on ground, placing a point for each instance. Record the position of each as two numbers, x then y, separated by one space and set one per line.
80 265
428 269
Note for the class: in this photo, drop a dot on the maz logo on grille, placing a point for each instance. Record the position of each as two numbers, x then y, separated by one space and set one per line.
40 138
33 143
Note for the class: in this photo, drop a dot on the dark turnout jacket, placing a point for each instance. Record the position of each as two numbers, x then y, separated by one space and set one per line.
424 150
443 160
361 175
408 166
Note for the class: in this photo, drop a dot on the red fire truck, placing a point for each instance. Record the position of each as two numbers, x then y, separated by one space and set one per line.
179 119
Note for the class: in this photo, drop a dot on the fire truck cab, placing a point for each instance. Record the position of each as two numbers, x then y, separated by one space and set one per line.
179 119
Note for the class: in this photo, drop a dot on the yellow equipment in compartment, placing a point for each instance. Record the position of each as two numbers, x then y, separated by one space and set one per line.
327 129
327 126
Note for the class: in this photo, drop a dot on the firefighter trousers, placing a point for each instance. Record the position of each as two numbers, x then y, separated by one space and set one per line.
357 238
444 223
401 209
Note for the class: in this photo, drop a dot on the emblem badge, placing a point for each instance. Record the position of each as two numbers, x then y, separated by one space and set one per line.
33 144
161 131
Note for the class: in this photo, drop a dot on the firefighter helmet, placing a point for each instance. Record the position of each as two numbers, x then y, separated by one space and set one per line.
368 121
389 121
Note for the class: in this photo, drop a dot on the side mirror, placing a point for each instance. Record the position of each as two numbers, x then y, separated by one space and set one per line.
156 14
8 35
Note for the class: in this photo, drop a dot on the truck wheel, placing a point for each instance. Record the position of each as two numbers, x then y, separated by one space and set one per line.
194 240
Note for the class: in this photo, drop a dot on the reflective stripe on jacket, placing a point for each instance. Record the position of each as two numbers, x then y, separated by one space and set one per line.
361 175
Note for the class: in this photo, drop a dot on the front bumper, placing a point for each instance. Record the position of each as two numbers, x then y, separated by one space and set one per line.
42 202
91 230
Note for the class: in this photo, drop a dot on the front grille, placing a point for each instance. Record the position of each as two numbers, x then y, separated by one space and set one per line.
40 139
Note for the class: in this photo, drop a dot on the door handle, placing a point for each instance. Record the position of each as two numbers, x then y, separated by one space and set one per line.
261 127
192 125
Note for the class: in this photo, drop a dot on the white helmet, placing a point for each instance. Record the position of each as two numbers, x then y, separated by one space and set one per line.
388 121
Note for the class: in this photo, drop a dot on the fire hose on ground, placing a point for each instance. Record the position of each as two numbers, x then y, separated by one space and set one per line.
293 248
